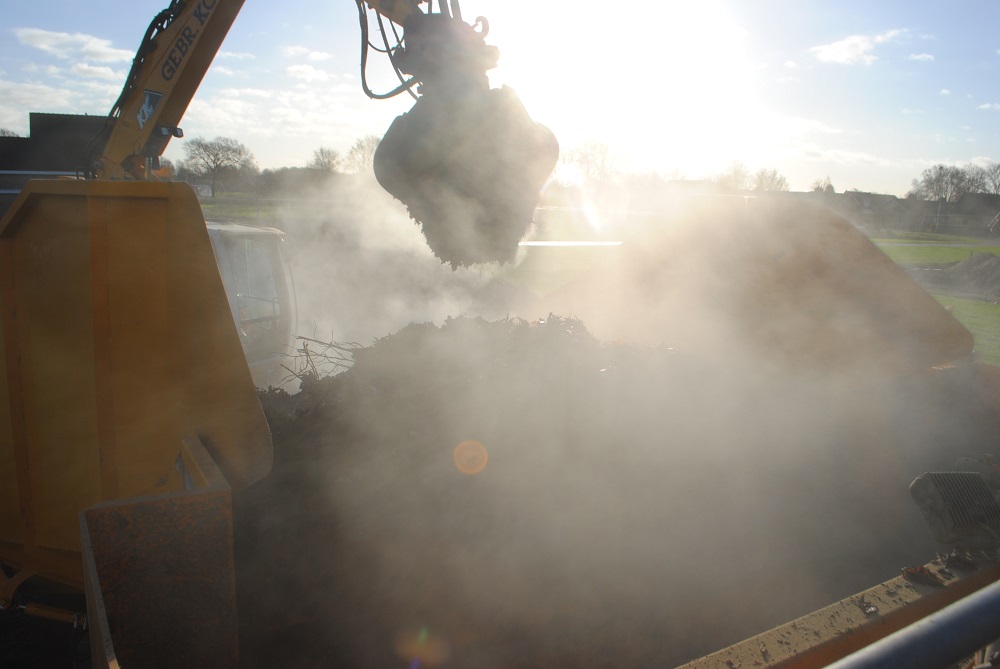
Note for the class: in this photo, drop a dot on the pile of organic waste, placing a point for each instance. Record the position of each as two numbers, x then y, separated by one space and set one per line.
520 494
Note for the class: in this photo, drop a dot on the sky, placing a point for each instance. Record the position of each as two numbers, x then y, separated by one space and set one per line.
866 94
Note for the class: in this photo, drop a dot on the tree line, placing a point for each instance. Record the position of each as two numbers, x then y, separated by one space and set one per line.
939 182
950 183
594 162
226 164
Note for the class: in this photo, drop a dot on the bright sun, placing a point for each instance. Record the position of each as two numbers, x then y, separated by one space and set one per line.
668 85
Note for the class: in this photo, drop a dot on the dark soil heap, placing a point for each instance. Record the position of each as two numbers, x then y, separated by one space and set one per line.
639 506
978 277
979 273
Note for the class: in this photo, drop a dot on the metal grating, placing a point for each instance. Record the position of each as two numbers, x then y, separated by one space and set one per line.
970 503
958 506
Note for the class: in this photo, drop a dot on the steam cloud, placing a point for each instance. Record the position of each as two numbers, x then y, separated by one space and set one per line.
363 269
721 443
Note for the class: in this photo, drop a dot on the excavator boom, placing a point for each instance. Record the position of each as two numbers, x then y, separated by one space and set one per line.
467 161
176 52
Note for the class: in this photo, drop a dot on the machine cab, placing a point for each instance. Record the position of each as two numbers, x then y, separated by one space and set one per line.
254 264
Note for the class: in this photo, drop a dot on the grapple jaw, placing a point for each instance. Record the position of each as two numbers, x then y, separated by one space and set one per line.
466 160
469 171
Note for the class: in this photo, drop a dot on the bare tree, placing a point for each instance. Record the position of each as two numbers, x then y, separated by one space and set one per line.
736 177
941 182
822 186
217 159
769 180
362 154
325 159
992 174
594 160
976 179
4 132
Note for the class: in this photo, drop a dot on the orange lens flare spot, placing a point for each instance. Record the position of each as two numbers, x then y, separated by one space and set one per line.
470 457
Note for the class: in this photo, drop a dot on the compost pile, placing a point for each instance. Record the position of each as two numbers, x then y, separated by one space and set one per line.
976 277
614 505
979 273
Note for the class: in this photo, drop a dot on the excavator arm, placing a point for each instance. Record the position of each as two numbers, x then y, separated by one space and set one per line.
176 52
467 161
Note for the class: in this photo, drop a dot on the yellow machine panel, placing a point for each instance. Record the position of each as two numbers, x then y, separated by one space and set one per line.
118 343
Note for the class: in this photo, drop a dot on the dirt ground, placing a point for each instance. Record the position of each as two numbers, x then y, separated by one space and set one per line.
636 505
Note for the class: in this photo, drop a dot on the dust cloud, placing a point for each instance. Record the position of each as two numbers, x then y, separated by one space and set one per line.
363 269
708 433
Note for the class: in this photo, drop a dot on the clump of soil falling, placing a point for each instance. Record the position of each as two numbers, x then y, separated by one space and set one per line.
515 494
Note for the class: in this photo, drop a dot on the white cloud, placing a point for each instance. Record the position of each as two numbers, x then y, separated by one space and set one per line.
850 50
248 92
855 49
921 57
911 112
848 157
35 68
791 64
76 46
944 91
891 35
97 72
15 98
307 73
298 51
235 55
223 70
804 126
95 95
993 106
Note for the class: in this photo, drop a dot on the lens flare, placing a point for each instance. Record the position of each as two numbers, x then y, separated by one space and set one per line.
422 648
470 457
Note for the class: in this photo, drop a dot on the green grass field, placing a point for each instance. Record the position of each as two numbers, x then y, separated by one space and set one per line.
244 209
982 318
927 238
983 321
929 253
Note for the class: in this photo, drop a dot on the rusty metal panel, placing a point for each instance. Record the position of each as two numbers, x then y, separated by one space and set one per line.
160 576
827 635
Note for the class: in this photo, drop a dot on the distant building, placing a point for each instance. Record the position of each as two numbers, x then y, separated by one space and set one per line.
56 145
870 211
976 211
